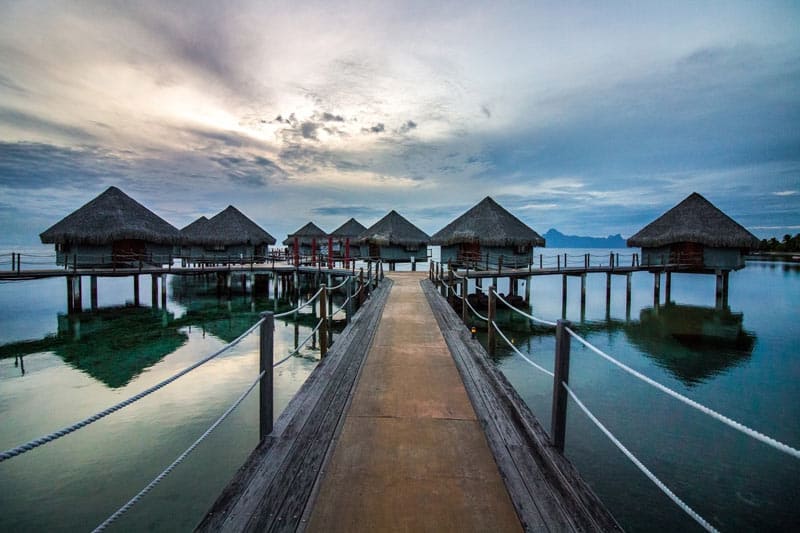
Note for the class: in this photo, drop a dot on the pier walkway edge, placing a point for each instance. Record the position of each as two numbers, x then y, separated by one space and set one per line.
361 421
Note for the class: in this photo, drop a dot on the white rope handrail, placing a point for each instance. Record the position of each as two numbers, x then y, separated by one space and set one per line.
35 443
296 309
526 315
519 353
474 311
700 407
150 486
339 286
660 484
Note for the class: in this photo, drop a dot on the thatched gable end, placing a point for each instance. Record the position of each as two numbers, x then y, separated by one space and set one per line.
112 216
695 220
228 228
306 234
488 224
393 229
352 229
195 229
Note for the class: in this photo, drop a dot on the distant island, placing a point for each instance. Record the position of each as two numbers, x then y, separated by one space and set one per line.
556 239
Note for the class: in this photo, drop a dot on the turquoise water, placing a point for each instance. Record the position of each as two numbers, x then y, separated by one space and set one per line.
742 361
72 366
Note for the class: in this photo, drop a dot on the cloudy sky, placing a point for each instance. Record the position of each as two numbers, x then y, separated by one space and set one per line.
592 118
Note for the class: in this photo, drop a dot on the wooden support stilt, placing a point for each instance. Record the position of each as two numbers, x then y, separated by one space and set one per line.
93 289
608 289
464 308
136 289
492 335
154 290
265 385
561 375
323 330
656 288
528 290
563 294
163 291
583 290
70 296
668 287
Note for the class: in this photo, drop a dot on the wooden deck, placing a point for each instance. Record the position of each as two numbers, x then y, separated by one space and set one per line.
406 426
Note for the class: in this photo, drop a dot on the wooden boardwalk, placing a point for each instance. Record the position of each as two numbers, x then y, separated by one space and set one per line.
412 455
406 426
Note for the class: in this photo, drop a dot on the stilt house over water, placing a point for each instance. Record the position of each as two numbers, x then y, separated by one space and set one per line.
487 229
112 229
344 239
310 238
190 247
394 239
696 237
227 237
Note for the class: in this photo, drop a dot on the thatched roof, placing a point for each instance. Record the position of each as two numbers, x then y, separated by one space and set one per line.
352 229
489 224
112 216
228 227
194 229
694 220
305 234
394 229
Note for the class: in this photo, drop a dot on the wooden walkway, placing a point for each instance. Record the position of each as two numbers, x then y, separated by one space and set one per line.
412 455
407 426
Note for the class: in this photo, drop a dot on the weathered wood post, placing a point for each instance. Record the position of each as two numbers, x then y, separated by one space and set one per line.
265 366
528 281
564 291
500 264
464 309
451 298
561 375
323 313
492 337
163 291
558 263
330 252
136 289
628 294
667 286
361 294
608 289
93 291
348 312
583 290
430 270
656 288
70 296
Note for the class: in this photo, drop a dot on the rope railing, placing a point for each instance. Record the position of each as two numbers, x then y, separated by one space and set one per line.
35 443
339 286
518 352
485 319
652 477
150 486
526 315
296 309
691 403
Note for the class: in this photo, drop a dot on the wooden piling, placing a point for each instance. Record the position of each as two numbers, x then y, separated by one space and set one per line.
583 290
608 289
564 292
163 291
93 291
561 375
323 330
656 288
70 296
464 308
154 290
492 335
265 366
668 287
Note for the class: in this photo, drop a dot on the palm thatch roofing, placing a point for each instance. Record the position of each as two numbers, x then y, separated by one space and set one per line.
352 229
488 224
695 220
393 229
306 234
227 228
194 229
112 216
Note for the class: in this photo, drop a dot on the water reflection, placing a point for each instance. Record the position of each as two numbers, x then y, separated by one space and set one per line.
693 343
113 344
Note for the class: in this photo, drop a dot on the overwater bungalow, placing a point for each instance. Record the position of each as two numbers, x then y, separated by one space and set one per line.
228 236
487 229
696 237
112 229
345 237
394 239
310 238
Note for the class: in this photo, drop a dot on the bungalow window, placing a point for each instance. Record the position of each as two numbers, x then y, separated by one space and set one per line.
522 249
412 248
59 247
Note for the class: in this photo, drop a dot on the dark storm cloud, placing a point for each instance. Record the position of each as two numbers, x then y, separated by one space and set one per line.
377 128
406 127
34 166
330 117
309 130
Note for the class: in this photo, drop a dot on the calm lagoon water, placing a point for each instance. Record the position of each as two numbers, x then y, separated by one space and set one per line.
742 362
74 366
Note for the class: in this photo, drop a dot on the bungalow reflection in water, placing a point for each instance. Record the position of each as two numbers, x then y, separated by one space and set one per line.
113 344
693 343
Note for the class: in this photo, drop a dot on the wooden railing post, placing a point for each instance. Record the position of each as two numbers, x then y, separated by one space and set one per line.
430 270
492 338
500 264
361 294
464 313
349 309
265 366
323 313
451 298
561 375
559 262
